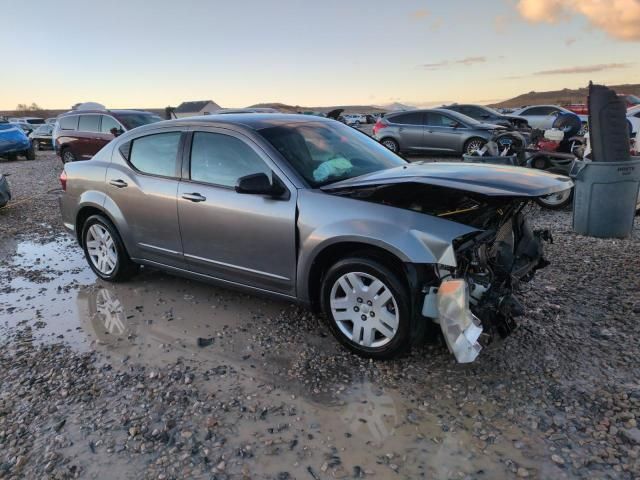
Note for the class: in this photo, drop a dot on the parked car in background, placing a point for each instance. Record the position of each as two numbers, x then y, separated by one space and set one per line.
543 116
433 130
489 115
51 120
80 134
29 120
41 137
630 101
310 210
633 115
14 142
25 127
355 119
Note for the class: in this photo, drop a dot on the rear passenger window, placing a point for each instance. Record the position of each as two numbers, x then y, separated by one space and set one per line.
69 123
156 154
412 118
89 123
222 159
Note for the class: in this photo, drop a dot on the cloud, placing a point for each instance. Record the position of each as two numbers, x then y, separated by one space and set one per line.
618 18
502 23
471 60
583 69
419 14
467 62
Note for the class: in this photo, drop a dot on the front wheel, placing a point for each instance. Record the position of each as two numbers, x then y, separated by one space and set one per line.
367 308
473 145
104 250
30 154
556 201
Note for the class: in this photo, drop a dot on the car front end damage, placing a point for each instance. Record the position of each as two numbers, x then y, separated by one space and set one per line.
472 297
476 301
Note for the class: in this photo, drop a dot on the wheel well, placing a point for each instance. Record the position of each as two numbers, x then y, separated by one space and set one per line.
83 214
334 253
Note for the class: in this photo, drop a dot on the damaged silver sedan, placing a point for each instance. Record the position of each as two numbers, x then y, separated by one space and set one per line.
314 211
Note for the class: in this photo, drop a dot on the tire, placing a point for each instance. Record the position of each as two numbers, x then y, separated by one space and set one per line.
31 153
393 317
67 156
391 144
556 201
104 250
474 144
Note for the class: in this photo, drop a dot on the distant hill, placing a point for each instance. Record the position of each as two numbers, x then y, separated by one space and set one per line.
561 97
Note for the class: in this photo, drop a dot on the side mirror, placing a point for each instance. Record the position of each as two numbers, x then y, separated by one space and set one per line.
116 132
259 184
456 125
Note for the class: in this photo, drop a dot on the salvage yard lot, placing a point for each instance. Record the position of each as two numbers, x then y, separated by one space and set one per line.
162 377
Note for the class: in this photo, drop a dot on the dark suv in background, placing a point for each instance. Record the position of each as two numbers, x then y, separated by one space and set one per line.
489 115
80 134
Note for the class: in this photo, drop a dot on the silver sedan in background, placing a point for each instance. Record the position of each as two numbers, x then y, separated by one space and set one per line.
433 131
311 210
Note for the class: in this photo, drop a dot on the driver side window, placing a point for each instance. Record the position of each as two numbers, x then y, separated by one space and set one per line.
222 159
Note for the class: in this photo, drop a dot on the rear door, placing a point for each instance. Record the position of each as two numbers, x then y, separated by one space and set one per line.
410 128
240 238
87 134
440 134
142 182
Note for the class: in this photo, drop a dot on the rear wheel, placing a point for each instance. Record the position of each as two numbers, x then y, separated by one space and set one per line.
68 156
391 144
104 250
473 145
367 308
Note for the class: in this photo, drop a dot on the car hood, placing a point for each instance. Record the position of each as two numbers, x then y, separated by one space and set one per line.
484 179
488 126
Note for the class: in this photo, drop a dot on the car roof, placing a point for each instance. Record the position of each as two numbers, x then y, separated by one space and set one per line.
254 121
104 112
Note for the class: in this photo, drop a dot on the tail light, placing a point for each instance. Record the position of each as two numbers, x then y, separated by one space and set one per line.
63 180
379 126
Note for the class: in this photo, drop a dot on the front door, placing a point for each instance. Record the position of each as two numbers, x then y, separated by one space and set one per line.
440 133
240 238
144 188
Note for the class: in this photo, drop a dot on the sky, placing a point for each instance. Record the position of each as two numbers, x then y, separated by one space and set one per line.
154 53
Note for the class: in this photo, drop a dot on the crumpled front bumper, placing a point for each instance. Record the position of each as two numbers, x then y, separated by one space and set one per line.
448 305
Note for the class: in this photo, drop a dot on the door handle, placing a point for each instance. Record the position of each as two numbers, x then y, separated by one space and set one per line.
194 197
118 183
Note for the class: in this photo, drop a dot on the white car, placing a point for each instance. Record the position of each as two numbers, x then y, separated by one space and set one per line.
633 115
355 119
543 116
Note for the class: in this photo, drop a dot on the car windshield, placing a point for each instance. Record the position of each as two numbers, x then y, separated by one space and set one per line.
133 120
35 121
324 153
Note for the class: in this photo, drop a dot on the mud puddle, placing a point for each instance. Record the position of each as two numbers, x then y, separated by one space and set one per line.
344 425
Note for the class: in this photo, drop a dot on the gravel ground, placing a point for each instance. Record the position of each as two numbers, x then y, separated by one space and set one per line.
167 378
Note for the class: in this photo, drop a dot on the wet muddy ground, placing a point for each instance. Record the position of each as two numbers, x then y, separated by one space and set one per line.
162 377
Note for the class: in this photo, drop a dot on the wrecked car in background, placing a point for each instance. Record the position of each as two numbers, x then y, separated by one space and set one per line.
310 210
485 114
14 142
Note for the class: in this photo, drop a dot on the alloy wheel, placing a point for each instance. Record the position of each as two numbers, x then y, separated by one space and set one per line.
473 146
68 157
390 144
364 309
102 249
556 199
